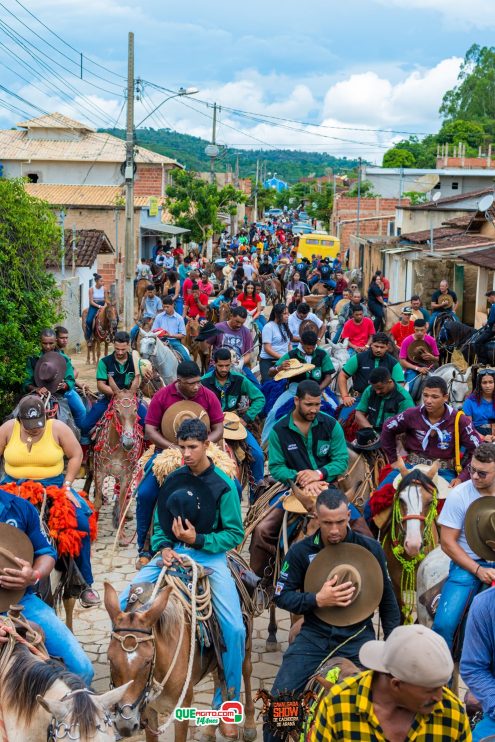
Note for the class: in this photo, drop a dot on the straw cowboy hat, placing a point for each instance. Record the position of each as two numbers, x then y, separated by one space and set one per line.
295 369
441 484
177 413
445 301
416 351
233 429
50 370
294 503
479 527
14 543
349 563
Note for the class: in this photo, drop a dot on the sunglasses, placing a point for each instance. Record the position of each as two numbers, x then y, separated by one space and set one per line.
487 372
480 474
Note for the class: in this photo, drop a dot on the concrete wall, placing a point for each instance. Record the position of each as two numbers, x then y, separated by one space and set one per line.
67 173
388 183
417 220
375 216
70 309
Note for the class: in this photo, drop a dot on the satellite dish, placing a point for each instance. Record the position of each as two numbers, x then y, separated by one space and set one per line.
485 202
436 196
212 150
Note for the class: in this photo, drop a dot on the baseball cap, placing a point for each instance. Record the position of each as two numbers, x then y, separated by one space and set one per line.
413 654
490 293
407 310
31 412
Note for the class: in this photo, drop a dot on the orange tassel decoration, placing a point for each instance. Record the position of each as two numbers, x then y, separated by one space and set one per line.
62 522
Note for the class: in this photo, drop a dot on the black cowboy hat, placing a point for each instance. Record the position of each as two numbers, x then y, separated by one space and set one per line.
367 439
188 497
207 331
50 370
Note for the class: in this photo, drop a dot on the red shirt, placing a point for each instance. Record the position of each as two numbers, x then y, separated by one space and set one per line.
192 308
169 395
400 332
358 335
386 286
248 302
186 287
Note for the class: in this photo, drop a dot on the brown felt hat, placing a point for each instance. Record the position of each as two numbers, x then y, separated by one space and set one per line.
13 543
445 300
50 370
416 351
479 526
350 563
177 413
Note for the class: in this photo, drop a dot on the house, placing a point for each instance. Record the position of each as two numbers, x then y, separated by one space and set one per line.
276 184
413 218
56 149
366 217
73 270
394 182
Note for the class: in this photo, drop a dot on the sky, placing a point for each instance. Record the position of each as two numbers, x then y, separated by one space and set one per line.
348 78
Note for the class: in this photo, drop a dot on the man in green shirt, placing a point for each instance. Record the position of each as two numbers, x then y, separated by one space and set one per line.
48 340
234 392
382 399
113 373
307 351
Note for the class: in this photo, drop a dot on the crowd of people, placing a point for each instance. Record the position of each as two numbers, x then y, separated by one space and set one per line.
279 392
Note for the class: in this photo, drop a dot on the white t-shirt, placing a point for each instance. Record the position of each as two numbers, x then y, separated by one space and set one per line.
454 512
272 334
295 322
248 270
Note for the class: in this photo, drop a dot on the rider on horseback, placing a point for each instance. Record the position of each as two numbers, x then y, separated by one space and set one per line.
173 325
216 513
427 360
381 400
97 299
233 391
487 334
443 301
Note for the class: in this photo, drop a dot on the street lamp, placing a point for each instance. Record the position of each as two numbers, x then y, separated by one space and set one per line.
179 94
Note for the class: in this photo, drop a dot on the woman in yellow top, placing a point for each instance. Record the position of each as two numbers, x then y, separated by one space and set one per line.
34 448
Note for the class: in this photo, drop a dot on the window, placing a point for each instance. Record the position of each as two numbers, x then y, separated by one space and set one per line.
328 243
391 228
455 185
33 177
312 241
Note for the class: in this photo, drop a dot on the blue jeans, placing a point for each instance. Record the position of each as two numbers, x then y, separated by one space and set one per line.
98 410
258 465
227 609
76 406
436 314
338 333
59 641
410 374
483 729
457 594
177 345
90 318
82 514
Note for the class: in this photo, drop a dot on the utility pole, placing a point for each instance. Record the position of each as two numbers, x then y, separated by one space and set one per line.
214 142
256 191
74 249
358 199
62 244
130 249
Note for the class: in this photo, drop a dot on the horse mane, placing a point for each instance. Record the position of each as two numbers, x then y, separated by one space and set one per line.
27 677
416 476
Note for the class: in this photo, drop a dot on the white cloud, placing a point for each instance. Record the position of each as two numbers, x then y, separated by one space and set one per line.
455 13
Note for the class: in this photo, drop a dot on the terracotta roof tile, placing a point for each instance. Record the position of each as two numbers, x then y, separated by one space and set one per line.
89 244
54 121
81 195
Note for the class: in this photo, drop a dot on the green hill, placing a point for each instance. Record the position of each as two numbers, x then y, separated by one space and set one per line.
290 165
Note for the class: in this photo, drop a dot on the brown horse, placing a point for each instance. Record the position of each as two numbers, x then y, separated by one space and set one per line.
410 533
141 287
118 447
152 647
272 288
104 329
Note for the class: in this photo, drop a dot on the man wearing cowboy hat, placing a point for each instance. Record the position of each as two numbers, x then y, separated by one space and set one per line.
314 362
232 389
186 390
430 434
28 558
487 334
473 564
302 313
418 352
478 652
336 579
443 301
382 399
402 696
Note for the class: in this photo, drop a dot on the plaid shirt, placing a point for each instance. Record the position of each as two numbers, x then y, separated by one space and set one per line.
346 713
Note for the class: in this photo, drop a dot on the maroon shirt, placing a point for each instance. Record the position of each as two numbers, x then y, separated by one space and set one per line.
412 423
169 395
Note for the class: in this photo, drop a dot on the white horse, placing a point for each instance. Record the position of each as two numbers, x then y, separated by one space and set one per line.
457 382
161 356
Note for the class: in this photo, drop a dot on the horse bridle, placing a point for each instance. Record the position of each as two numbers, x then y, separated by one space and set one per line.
59 729
142 699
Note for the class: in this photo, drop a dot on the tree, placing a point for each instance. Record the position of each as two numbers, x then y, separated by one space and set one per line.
398 157
366 190
196 204
29 298
473 98
424 151
467 132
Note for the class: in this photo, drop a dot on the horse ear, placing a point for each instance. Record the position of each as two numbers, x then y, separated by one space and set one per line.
434 469
110 699
111 601
153 613
58 709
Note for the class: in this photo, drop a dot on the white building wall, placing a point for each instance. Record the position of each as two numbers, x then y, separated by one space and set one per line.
75 299
67 173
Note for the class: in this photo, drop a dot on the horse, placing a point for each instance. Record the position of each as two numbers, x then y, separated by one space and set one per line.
458 336
162 357
118 447
272 289
410 533
104 329
40 701
159 277
457 383
155 642
140 291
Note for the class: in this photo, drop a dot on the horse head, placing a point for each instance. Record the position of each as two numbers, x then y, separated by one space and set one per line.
148 345
112 318
414 500
132 654
125 408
